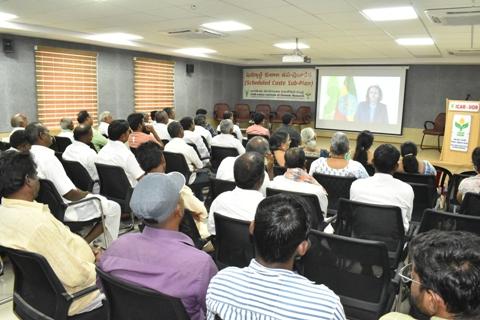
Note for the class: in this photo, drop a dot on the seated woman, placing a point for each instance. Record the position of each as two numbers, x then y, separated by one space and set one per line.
363 154
279 143
338 163
471 184
309 142
410 163
258 128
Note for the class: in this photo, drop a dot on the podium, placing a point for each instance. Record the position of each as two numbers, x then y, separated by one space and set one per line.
462 132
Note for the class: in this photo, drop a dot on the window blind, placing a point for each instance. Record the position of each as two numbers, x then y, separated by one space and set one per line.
66 82
154 84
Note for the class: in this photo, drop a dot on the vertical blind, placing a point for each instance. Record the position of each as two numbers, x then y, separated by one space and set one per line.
66 83
154 84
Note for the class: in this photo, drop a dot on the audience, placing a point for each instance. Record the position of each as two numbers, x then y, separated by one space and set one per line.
200 129
444 274
105 119
19 141
383 188
171 114
66 125
50 168
410 163
363 154
142 132
228 115
161 125
258 127
116 152
18 122
338 164
162 258
226 139
309 142
279 143
152 115
470 184
268 288
287 121
98 139
194 138
207 125
241 203
30 226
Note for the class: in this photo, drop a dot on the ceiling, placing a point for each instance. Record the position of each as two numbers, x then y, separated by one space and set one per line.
335 30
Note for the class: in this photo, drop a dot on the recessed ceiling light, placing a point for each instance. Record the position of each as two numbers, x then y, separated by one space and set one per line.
390 14
7 16
116 38
291 45
415 41
226 26
198 52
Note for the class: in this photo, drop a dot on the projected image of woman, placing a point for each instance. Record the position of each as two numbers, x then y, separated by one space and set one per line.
372 110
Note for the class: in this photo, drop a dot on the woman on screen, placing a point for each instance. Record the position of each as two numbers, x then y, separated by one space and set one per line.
372 110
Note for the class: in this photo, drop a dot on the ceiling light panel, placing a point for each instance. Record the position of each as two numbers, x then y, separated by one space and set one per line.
415 41
7 16
390 14
291 45
226 26
116 38
197 52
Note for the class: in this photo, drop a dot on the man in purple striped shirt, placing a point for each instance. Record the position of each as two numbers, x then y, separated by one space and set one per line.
162 258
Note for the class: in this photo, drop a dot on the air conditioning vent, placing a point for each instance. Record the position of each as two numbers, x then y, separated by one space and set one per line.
454 16
464 52
199 33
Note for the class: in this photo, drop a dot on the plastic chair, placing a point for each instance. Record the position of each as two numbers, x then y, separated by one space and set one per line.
446 221
303 115
425 197
357 270
233 244
38 294
470 204
188 227
62 143
220 153
452 202
415 178
437 129
308 162
79 175
242 112
218 186
337 187
219 109
281 110
127 300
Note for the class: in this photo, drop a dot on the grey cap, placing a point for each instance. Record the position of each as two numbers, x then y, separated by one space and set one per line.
156 195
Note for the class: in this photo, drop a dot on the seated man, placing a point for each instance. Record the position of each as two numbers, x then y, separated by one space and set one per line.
200 128
471 184
98 140
105 119
160 125
226 139
81 152
228 115
162 258
383 188
142 132
256 144
66 124
287 122
50 168
296 179
171 114
206 125
445 276
150 157
268 288
257 128
19 141
241 203
18 122
29 226
191 137
116 153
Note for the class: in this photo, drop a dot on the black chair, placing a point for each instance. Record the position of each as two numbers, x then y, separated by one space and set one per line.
279 171
165 141
188 227
446 221
452 202
194 146
62 143
176 162
337 187
78 174
357 270
220 153
218 186
233 244
4 146
372 222
415 178
134 151
470 204
425 197
38 294
205 142
308 162
443 179
128 301
370 169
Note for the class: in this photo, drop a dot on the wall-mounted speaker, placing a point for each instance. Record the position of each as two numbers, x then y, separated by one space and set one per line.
190 68
8 46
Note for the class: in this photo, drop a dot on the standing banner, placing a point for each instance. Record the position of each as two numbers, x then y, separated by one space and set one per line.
290 84
460 132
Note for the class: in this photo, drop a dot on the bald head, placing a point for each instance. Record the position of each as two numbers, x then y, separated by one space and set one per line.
161 117
258 144
19 120
249 171
83 133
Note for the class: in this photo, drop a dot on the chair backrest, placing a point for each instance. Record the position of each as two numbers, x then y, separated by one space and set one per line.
316 216
415 178
265 109
220 153
282 109
303 115
62 143
425 196
242 111
233 244
37 290
336 186
453 190
470 204
205 142
165 141
219 109
176 162
278 171
355 269
78 174
372 222
127 300
4 146
188 227
194 146
49 195
439 121
308 162
217 186
115 185
370 169
446 221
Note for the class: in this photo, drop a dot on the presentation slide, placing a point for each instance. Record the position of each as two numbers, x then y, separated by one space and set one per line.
360 98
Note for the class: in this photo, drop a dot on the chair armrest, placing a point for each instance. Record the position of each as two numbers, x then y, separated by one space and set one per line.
79 294
74 203
428 122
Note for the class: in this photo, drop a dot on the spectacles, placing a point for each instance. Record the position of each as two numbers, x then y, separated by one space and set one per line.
406 274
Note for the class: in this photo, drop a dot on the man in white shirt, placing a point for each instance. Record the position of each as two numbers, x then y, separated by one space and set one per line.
160 125
383 188
170 113
67 129
18 122
50 168
256 144
105 120
200 123
228 115
241 203
116 152
191 137
226 139
81 152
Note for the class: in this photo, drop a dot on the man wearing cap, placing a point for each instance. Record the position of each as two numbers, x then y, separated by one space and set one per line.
162 258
